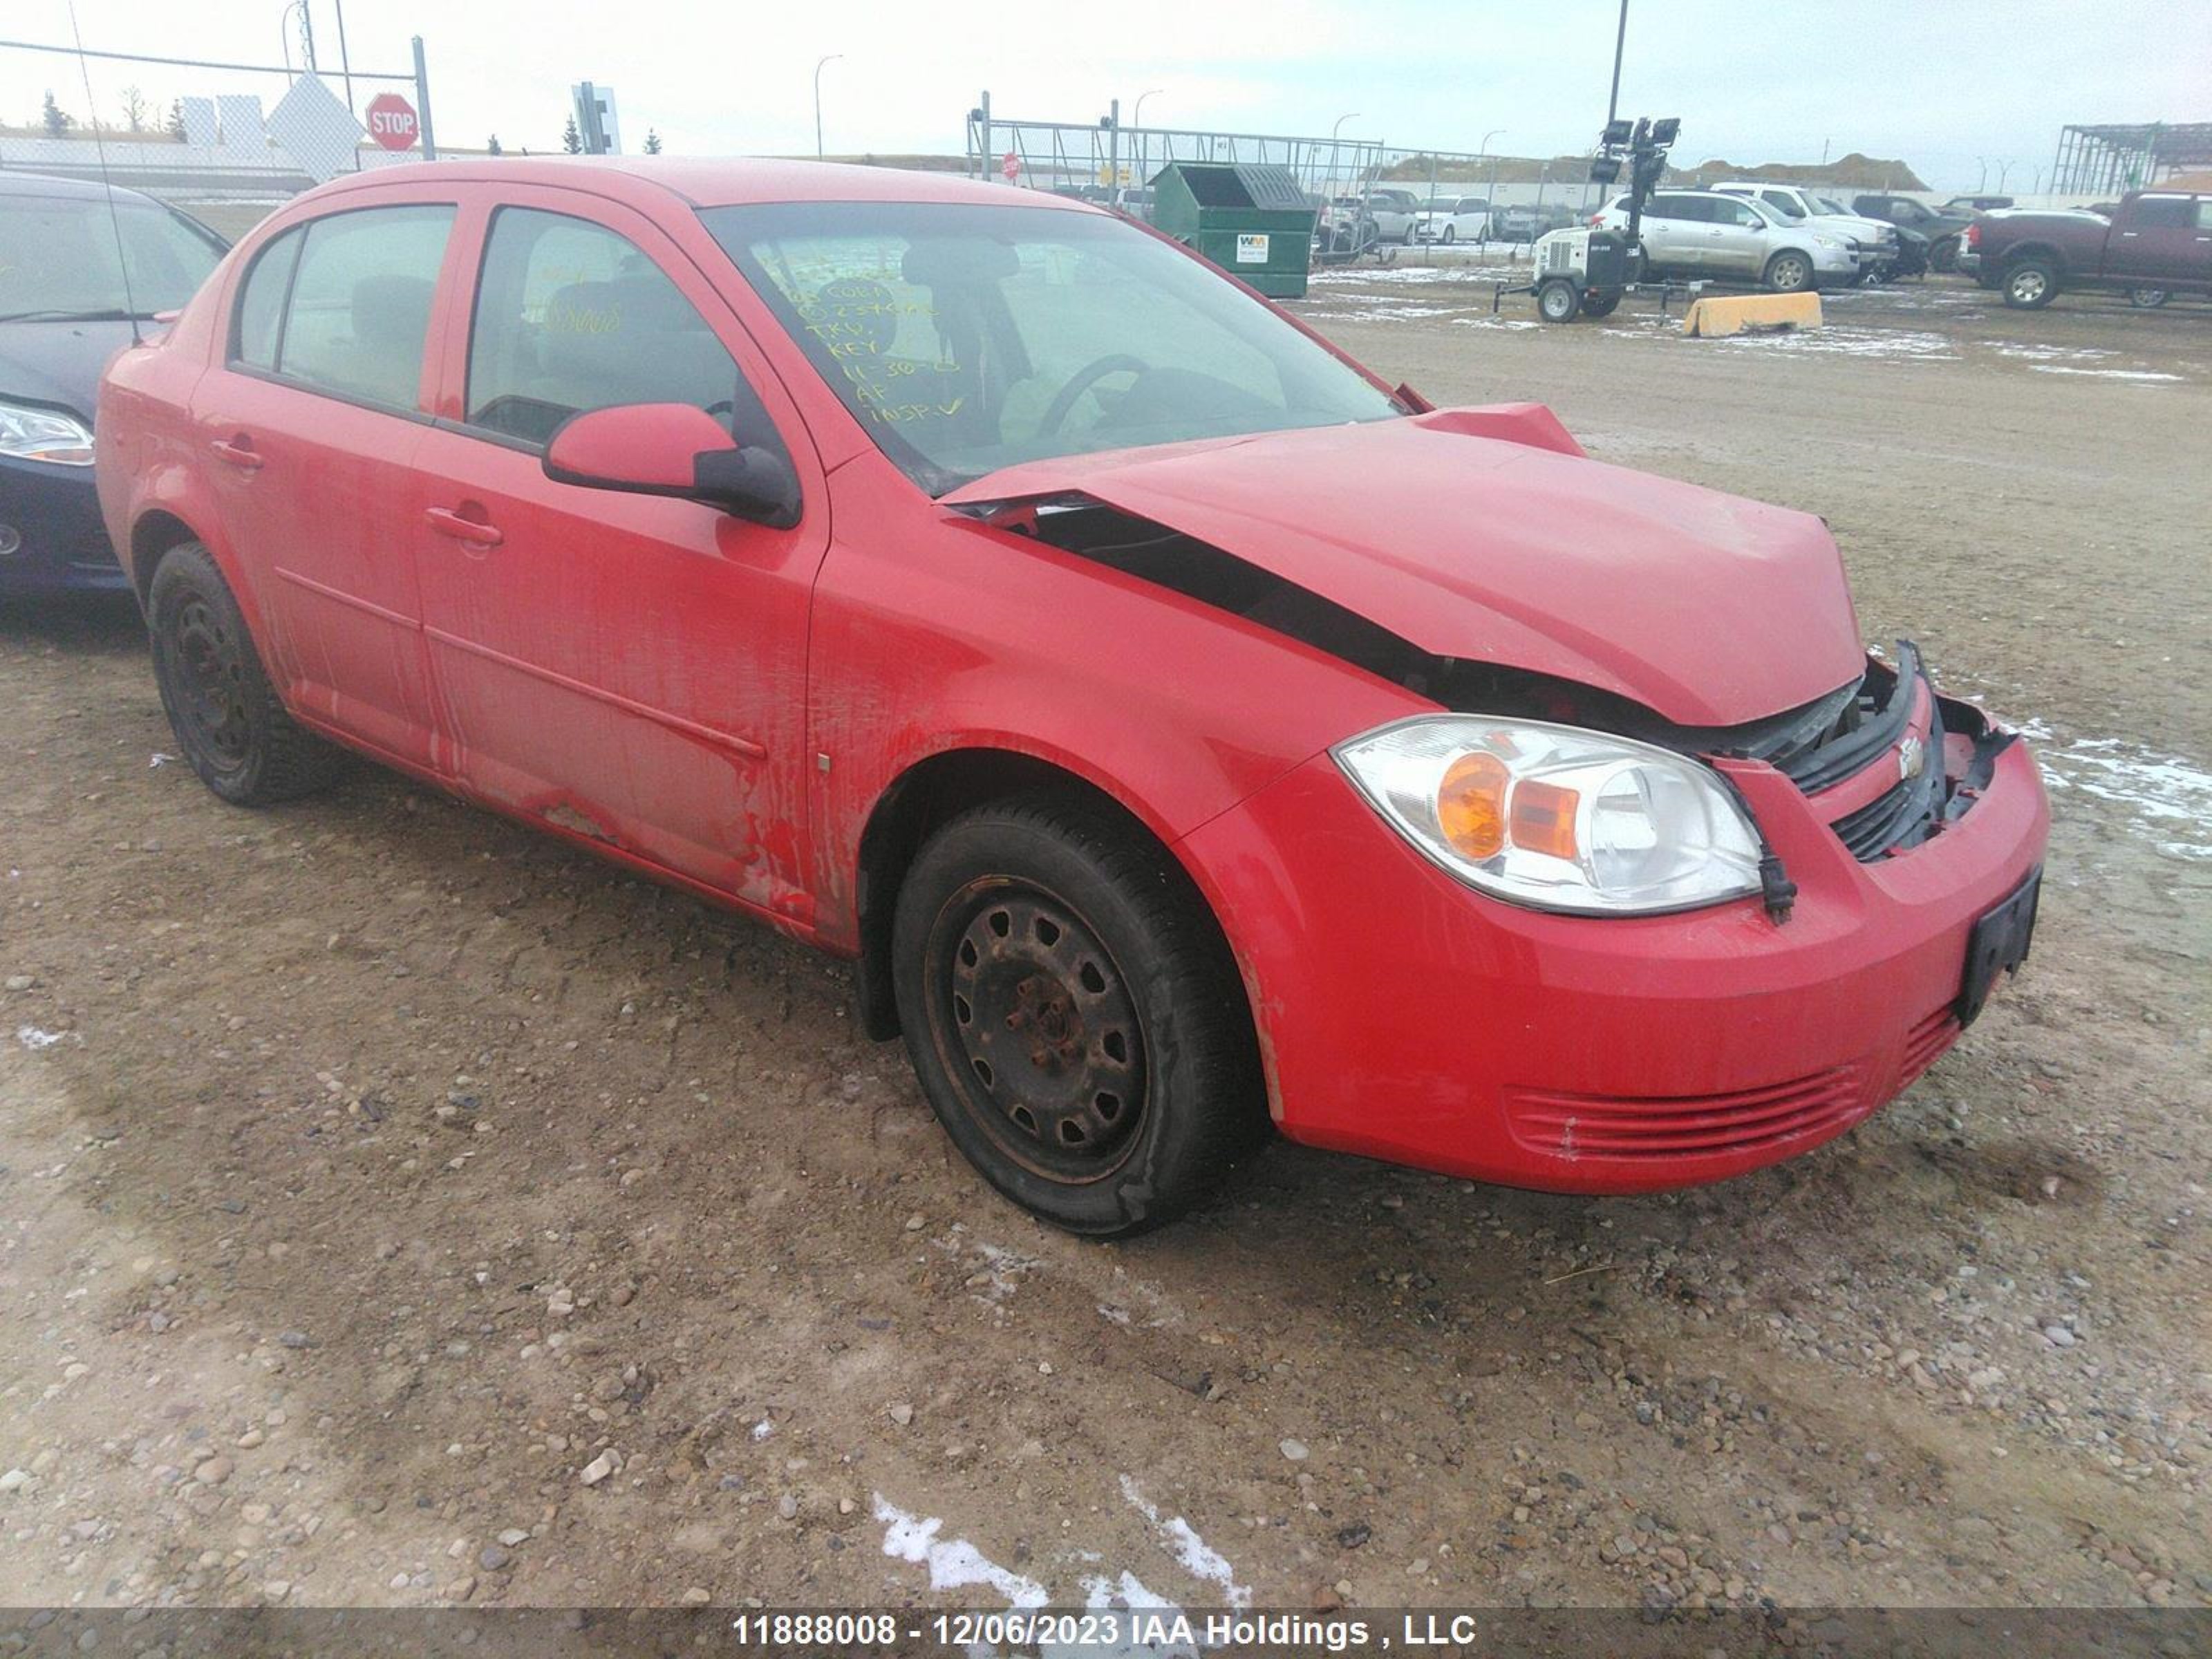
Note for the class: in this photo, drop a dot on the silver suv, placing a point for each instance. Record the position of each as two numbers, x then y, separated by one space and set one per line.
1703 233
1877 239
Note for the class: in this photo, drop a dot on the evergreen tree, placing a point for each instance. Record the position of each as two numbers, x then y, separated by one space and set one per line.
57 121
175 126
494 146
571 140
652 142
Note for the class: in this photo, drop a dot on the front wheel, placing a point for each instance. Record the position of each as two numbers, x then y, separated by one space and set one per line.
1944 256
228 719
2148 299
1074 1015
1559 301
1452 233
1789 272
2030 284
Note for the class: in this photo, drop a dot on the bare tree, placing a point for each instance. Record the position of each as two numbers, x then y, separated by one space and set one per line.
135 108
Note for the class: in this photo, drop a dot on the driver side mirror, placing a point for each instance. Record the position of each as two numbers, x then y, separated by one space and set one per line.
673 449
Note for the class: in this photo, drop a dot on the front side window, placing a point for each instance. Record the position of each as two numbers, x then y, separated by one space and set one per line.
358 306
966 338
59 257
571 316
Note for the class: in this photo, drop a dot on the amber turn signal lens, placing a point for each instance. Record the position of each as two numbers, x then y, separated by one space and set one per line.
1471 806
1544 818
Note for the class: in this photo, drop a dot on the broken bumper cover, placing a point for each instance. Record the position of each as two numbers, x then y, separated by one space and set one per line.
1404 1017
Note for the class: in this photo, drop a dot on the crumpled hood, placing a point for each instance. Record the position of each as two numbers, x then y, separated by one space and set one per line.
1517 550
59 363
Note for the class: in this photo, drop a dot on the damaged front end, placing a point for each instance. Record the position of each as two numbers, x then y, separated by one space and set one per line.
1884 760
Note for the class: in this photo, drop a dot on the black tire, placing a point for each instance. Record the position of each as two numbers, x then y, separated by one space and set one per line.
2148 299
1559 301
2029 284
1451 234
1789 272
1944 256
228 719
1074 1016
1601 306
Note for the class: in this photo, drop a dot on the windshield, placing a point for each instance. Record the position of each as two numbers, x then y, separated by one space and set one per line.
966 338
77 273
1829 204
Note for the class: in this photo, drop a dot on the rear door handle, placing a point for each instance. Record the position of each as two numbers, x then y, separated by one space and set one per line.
239 451
446 522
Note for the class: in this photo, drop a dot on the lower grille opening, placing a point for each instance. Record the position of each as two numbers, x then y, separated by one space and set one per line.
1745 1121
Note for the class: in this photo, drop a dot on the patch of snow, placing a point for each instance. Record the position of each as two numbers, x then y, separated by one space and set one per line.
2169 799
33 1038
1852 341
763 1429
953 1563
2103 374
1198 1557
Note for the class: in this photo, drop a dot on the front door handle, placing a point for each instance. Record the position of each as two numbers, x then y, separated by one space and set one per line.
446 522
239 451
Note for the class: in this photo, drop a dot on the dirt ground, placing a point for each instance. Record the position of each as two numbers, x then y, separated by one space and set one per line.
396 1209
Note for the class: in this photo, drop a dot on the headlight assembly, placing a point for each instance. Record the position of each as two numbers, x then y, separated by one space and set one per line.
43 434
1557 818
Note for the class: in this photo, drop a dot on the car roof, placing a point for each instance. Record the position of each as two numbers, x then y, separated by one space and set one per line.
648 181
72 190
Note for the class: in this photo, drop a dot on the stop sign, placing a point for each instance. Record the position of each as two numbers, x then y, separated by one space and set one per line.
391 121
1012 167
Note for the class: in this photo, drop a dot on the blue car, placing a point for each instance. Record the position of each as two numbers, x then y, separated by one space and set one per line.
64 308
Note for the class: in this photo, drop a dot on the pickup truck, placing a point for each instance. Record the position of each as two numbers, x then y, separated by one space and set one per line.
2156 243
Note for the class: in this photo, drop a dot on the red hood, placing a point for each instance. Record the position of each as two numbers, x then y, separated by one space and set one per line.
1707 608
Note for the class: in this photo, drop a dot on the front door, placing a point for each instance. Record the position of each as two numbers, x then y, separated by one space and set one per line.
308 430
1736 245
626 668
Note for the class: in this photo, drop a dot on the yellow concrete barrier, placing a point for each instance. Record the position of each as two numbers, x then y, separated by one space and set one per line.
1710 320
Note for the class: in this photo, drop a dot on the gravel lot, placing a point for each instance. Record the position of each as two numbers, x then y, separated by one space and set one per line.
396 1209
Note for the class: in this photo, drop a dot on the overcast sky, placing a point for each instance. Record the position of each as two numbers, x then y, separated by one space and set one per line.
1942 83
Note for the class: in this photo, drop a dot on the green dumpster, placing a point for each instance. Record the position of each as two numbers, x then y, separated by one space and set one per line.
1251 220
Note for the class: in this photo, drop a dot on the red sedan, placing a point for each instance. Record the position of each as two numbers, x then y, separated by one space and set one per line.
1180 729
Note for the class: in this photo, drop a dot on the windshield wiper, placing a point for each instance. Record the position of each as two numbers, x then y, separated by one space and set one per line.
113 314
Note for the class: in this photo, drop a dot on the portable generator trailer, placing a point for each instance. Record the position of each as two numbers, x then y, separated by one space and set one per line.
1583 271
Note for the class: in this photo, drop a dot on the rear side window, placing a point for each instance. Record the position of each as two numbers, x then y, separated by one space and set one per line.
357 305
2205 213
255 331
571 316
2160 212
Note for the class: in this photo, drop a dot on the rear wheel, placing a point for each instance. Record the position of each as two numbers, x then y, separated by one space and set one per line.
1559 301
2148 299
1451 233
1944 256
1074 1016
1602 306
228 719
1789 272
2030 284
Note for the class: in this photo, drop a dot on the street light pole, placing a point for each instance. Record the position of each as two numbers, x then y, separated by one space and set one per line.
1619 40
831 58
1490 217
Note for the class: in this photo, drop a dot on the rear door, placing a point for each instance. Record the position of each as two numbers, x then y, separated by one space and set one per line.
629 668
2155 237
308 431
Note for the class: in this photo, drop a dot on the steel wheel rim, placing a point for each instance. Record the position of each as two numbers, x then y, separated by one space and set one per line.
210 670
1555 303
1038 1030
